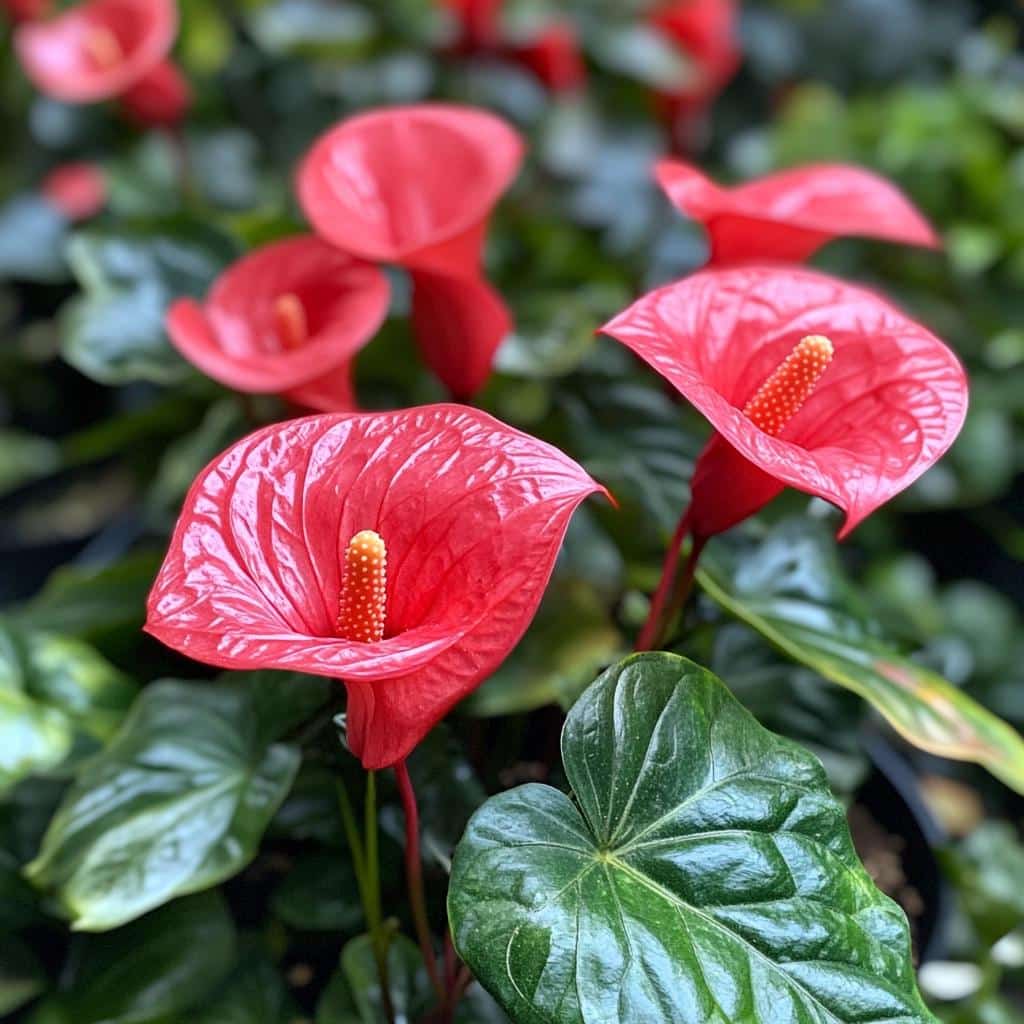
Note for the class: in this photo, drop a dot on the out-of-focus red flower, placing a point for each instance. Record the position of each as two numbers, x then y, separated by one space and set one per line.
553 54
808 382
459 519
704 32
286 319
790 214
78 190
415 186
26 10
161 99
479 23
97 50
106 49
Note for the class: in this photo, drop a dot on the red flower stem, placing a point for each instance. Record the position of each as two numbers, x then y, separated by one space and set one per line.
414 876
368 882
685 585
652 627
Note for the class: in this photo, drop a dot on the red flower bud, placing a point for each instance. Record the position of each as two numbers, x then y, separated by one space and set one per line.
415 186
286 319
161 99
265 566
789 215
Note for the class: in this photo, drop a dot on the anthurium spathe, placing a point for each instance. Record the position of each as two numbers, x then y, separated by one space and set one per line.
415 186
404 553
809 383
102 49
286 319
790 214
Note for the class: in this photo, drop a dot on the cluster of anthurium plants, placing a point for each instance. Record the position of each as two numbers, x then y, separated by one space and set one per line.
423 593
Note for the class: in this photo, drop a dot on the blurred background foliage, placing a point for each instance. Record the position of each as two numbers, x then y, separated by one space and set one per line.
103 426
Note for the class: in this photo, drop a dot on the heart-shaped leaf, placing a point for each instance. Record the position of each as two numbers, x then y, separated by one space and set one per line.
791 589
703 872
188 785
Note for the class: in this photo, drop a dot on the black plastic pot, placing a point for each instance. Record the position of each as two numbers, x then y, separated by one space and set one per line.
892 797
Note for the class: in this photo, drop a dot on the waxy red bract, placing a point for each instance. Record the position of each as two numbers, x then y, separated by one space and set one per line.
889 405
233 337
415 186
789 215
97 50
472 512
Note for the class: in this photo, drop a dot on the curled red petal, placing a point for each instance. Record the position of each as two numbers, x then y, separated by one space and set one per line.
789 215
889 405
472 513
27 10
391 183
60 57
78 190
232 338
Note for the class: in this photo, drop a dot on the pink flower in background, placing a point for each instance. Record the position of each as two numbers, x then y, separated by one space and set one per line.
416 186
106 49
78 190
286 319
789 215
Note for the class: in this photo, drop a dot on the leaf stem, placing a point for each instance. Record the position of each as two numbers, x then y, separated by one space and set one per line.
366 864
414 876
650 634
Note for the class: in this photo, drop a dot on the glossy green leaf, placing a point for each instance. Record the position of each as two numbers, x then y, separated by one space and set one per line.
319 893
254 993
114 333
57 696
791 589
160 965
702 871
570 640
353 994
25 457
84 601
176 803
988 867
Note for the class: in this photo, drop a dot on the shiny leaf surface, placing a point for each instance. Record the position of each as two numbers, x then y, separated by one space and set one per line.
702 872
792 591
177 802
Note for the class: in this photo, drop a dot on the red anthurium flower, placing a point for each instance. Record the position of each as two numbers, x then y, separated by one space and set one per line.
104 49
78 190
415 186
404 553
791 214
705 33
809 383
286 319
